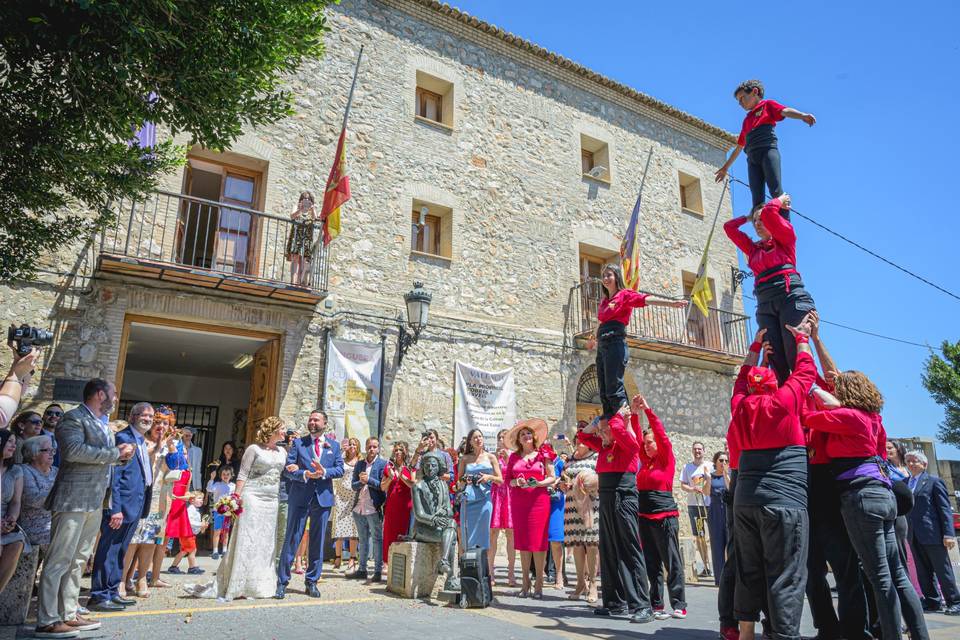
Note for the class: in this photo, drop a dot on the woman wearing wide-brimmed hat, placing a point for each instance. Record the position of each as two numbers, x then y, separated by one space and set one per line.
529 472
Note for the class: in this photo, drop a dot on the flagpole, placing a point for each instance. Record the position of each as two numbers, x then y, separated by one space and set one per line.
726 183
353 84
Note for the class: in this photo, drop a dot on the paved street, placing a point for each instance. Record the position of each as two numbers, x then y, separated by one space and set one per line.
353 610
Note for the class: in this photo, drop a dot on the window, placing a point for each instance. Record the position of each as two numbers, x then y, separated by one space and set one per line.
425 234
434 100
594 158
429 105
690 197
431 230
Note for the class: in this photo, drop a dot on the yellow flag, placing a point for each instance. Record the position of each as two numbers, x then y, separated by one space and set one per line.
701 295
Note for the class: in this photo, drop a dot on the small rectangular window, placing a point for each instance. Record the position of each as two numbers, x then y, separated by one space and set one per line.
425 237
586 159
691 198
594 158
429 105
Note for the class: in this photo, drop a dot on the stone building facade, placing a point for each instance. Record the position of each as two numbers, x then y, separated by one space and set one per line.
502 170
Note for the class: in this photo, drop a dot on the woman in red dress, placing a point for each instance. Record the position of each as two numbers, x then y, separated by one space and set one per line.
397 481
529 472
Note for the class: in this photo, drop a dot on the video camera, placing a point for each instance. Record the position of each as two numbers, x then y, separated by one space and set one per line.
25 338
472 478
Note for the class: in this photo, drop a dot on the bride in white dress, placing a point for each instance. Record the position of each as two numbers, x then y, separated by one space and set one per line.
249 568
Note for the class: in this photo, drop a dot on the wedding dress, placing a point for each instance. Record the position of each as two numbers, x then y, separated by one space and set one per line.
249 568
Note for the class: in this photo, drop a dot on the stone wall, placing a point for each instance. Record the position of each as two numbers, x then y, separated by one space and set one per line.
509 171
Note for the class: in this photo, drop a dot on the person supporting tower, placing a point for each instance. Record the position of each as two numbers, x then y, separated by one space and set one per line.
758 139
782 300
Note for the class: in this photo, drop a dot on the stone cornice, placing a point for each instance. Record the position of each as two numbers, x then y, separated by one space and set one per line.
485 34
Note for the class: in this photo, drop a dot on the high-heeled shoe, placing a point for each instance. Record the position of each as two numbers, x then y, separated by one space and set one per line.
592 592
577 592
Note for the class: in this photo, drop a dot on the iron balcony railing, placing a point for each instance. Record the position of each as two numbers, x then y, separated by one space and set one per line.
218 237
669 329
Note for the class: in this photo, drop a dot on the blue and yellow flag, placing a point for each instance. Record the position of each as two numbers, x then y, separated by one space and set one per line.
630 250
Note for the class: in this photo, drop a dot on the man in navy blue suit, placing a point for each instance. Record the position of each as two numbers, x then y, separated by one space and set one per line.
313 463
130 489
932 536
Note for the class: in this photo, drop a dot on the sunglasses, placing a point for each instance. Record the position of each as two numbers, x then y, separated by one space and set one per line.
35 421
53 414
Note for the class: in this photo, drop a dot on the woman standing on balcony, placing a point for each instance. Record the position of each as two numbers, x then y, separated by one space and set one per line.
613 315
300 239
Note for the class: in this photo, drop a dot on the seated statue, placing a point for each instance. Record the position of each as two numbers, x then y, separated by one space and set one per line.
433 517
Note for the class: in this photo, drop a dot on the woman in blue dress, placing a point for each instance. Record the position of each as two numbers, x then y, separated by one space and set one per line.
717 516
558 502
478 471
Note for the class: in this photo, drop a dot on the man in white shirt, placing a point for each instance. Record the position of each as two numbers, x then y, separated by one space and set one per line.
194 456
695 481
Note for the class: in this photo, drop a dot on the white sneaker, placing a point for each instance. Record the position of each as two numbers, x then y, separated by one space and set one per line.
660 614
680 613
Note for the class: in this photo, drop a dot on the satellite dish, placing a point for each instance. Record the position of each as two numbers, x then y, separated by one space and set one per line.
598 171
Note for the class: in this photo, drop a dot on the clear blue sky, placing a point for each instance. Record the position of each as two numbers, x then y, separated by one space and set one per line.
883 79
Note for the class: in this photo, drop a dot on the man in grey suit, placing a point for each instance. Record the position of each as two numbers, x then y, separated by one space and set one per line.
87 453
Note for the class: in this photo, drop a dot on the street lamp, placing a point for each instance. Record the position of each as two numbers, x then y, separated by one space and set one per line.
418 309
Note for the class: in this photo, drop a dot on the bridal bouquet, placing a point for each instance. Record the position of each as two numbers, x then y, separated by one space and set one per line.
230 506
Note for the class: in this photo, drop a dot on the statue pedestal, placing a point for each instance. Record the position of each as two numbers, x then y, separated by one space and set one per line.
15 597
413 569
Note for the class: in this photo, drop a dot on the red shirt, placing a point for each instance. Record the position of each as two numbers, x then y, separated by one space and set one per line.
816 440
780 249
766 112
622 456
770 421
620 306
850 433
655 474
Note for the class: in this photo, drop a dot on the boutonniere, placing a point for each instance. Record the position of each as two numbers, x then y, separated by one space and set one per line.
326 445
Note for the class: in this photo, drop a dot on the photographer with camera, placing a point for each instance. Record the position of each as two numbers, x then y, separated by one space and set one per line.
430 441
21 341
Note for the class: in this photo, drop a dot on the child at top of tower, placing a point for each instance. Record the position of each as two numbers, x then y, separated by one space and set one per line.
758 139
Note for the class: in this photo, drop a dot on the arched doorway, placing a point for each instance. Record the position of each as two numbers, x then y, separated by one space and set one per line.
588 393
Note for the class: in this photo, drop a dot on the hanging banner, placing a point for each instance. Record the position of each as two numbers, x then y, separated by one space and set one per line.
484 400
351 396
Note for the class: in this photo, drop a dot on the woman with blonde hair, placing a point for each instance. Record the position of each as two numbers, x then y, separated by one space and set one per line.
581 517
249 570
299 250
345 536
529 472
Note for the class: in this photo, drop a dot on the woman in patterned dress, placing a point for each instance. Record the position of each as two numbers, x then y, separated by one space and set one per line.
581 518
344 526
501 520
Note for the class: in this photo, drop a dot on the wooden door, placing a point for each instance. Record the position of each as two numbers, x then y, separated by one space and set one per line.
263 386
236 228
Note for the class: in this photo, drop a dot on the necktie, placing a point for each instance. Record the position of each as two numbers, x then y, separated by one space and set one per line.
316 446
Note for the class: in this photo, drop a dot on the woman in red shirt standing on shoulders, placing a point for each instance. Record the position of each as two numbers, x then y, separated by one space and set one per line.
614 313
659 528
782 300
856 444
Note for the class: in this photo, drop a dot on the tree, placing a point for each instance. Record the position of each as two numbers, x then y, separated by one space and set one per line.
942 379
79 77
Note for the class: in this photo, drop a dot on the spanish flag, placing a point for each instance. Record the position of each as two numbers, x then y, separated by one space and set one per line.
701 295
630 250
337 192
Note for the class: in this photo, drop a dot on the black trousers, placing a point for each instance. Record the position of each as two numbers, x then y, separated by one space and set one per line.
623 576
771 564
932 560
728 578
763 170
661 550
776 308
612 356
869 513
829 544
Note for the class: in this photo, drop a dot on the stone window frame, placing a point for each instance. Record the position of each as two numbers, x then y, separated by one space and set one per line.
689 193
428 74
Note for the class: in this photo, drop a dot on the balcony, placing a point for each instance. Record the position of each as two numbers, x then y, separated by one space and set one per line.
723 337
213 245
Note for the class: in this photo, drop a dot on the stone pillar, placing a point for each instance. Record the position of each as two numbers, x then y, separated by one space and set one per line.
413 569
15 598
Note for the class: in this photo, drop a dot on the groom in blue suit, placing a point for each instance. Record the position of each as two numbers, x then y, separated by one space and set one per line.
318 463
